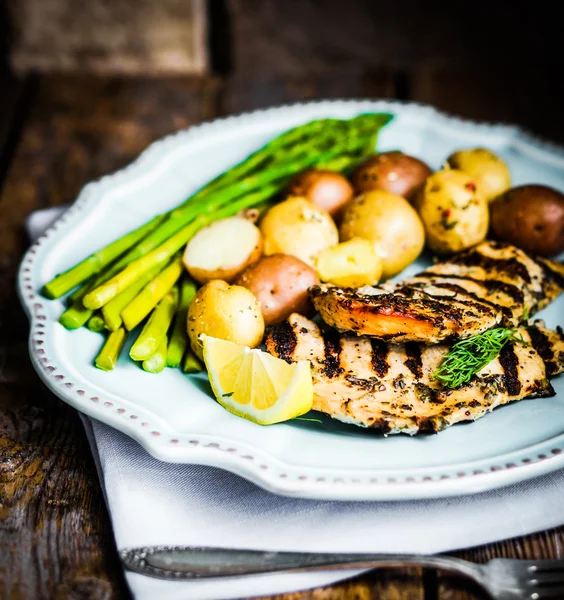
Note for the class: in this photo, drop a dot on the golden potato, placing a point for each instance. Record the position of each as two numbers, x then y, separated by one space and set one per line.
490 174
299 228
228 312
530 217
350 264
394 172
329 190
280 283
223 249
390 223
455 215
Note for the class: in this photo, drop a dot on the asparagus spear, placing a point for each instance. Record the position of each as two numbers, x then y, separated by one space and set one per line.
192 363
96 323
91 265
113 309
151 294
110 352
154 331
157 361
179 338
76 315
257 159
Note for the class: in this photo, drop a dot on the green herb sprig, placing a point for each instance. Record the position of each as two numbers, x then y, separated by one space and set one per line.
469 356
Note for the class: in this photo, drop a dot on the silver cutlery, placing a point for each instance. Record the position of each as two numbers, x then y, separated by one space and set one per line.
502 578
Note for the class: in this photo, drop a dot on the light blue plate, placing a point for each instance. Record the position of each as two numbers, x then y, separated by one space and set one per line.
174 416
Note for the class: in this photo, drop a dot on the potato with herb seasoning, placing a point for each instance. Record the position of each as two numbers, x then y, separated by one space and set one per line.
487 170
453 212
299 228
280 283
228 312
390 223
394 172
530 217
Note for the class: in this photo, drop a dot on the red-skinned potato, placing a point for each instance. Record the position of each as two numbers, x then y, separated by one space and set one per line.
280 283
223 249
530 217
329 190
393 172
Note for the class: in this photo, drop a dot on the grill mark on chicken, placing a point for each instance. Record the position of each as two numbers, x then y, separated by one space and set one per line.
550 273
398 401
509 363
507 313
332 365
413 362
379 357
490 285
412 290
542 345
496 283
285 339
510 266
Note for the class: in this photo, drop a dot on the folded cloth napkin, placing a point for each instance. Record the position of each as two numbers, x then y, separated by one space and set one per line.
156 503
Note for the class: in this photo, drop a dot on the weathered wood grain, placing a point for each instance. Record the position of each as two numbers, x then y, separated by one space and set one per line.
110 36
243 92
309 37
398 584
531 98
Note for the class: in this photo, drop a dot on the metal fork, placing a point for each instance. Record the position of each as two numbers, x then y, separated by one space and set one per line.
503 579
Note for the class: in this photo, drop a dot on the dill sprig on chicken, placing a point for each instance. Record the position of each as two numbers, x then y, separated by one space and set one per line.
468 357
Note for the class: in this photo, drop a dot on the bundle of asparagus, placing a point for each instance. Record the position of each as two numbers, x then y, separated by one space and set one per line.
139 277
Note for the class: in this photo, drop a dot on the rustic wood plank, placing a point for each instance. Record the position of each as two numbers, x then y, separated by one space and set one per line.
529 97
110 36
55 535
243 92
389 584
309 37
15 97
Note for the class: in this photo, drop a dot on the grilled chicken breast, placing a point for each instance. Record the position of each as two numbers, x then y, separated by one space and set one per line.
488 285
391 387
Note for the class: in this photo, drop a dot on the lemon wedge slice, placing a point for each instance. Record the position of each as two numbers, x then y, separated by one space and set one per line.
255 385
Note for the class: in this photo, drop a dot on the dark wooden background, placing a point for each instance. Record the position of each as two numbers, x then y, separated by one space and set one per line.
58 130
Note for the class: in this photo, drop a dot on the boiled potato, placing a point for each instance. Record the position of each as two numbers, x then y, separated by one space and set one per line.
223 249
455 215
228 312
390 223
280 283
299 228
394 172
350 264
530 217
490 174
329 190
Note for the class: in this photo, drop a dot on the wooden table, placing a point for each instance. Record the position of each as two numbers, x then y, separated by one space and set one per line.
56 134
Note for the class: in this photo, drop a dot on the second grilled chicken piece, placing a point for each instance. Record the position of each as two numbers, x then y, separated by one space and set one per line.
488 285
391 387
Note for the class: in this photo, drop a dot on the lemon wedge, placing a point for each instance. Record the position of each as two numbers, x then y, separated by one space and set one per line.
255 385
